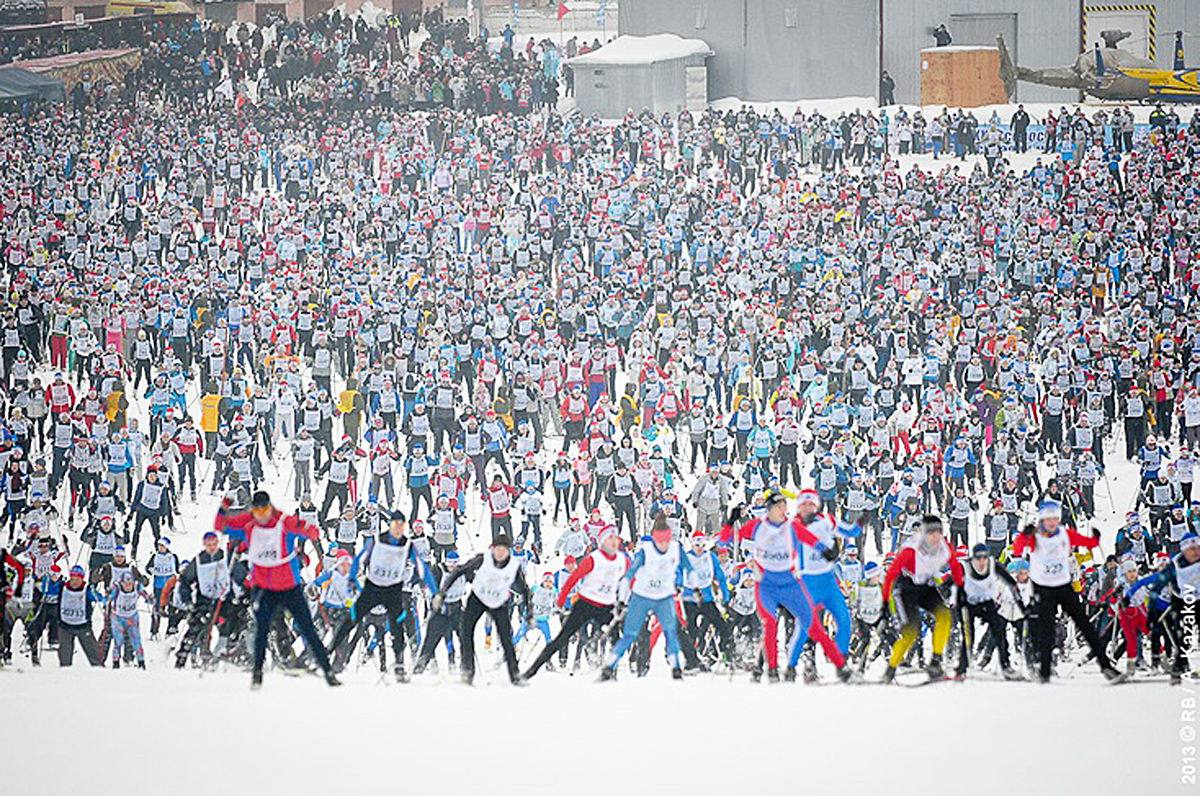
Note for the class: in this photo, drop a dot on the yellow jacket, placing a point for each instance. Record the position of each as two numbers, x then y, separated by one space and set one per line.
209 417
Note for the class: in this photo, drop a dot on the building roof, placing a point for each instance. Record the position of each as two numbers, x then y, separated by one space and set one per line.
642 50
17 83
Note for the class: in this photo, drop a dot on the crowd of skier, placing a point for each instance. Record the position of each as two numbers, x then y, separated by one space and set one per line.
462 357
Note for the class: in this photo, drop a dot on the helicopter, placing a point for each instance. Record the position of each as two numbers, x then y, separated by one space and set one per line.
1109 73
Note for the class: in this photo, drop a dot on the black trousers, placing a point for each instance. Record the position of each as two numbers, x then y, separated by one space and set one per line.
471 614
712 618
1046 601
392 600
266 603
200 621
985 611
582 613
441 627
1175 621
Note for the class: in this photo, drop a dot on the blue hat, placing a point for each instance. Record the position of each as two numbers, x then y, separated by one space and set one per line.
1189 539
164 540
1049 508
452 555
870 570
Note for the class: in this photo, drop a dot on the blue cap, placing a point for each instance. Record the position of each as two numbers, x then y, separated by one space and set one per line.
1049 508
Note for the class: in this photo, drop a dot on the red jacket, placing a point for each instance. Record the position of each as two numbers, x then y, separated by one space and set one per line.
291 529
906 564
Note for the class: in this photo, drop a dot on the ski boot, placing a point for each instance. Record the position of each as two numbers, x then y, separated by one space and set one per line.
789 674
1011 674
889 675
810 673
848 675
608 673
1176 678
1113 676
256 680
116 664
401 675
772 675
677 673
756 675
1131 668
934 669
142 665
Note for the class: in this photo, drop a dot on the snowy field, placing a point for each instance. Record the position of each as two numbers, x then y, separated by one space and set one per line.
165 732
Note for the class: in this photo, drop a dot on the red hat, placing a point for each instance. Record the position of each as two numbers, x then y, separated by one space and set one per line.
343 553
698 534
569 560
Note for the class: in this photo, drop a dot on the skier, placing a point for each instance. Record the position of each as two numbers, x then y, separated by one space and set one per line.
660 565
385 559
272 538
544 595
162 566
914 583
818 573
75 603
1181 580
496 574
982 582
700 596
1049 549
202 588
775 543
597 576
126 628
444 623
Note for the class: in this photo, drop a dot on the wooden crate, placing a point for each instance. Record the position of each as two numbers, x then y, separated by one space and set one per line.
961 76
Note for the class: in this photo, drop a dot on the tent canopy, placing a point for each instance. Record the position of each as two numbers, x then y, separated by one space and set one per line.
17 83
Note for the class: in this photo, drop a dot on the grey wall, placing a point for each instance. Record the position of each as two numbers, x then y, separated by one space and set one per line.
1176 15
1047 34
723 31
831 51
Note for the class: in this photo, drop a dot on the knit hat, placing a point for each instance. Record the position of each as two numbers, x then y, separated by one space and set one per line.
1049 509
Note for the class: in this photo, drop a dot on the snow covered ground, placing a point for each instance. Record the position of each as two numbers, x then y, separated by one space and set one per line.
168 732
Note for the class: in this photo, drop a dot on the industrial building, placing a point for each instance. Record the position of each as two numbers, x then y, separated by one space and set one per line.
808 49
